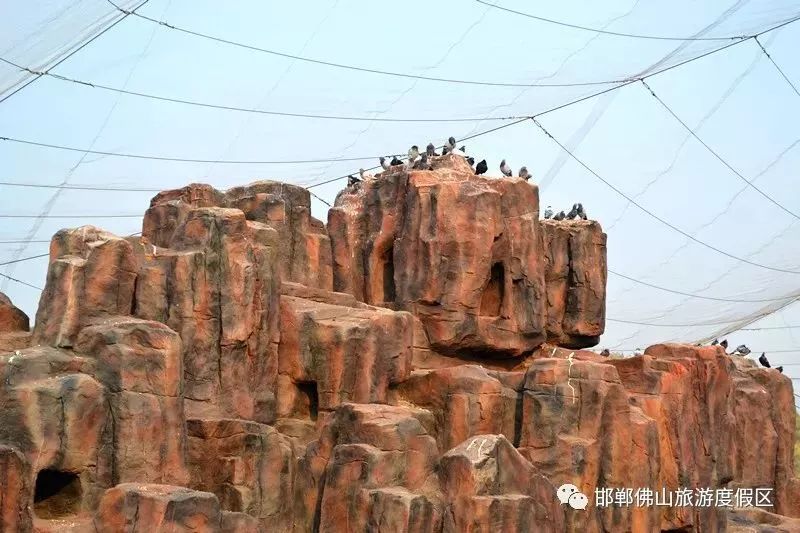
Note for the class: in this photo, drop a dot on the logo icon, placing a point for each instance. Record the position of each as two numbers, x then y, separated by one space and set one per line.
568 493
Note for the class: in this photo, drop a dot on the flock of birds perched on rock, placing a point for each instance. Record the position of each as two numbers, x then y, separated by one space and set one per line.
741 350
577 211
421 161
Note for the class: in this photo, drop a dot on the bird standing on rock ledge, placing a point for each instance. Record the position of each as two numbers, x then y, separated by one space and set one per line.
430 150
384 164
606 352
396 162
560 216
481 168
352 180
505 169
763 360
548 213
413 153
523 173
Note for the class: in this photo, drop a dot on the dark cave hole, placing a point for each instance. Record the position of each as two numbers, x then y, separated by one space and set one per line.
309 389
492 298
389 293
57 494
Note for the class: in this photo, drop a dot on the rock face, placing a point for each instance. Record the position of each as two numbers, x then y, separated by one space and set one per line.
14 326
206 377
463 253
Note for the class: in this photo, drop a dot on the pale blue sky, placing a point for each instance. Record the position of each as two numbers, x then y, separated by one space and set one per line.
625 136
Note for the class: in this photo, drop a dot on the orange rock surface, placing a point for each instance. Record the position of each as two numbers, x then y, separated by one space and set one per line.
413 367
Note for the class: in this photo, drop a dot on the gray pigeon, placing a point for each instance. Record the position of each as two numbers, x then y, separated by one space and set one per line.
384 163
581 212
430 150
763 360
463 148
560 216
742 350
573 212
505 169
451 144
413 153
422 163
716 341
523 173
548 213
352 180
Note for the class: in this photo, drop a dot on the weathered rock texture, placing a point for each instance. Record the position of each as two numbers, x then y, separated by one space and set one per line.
14 326
205 377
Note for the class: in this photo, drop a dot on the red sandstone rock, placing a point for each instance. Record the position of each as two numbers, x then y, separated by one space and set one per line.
15 490
11 319
575 278
249 466
218 288
331 354
461 252
92 275
135 507
465 400
140 364
379 416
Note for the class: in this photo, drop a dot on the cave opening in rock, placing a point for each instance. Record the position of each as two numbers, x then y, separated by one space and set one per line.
492 298
309 390
57 494
389 294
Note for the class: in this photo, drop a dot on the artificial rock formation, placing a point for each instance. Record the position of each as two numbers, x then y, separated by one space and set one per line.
206 377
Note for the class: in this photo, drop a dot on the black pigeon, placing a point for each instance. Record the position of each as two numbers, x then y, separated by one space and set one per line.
779 369
763 360
430 150
560 216
471 161
724 343
352 180
716 341
605 353
396 161
463 149
481 168
445 150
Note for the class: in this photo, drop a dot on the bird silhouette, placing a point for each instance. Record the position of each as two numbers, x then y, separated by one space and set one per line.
548 213
724 343
716 341
560 216
605 352
481 168
430 150
471 161
779 369
523 173
581 211
395 162
384 163
505 169
451 144
763 360
352 180
413 153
